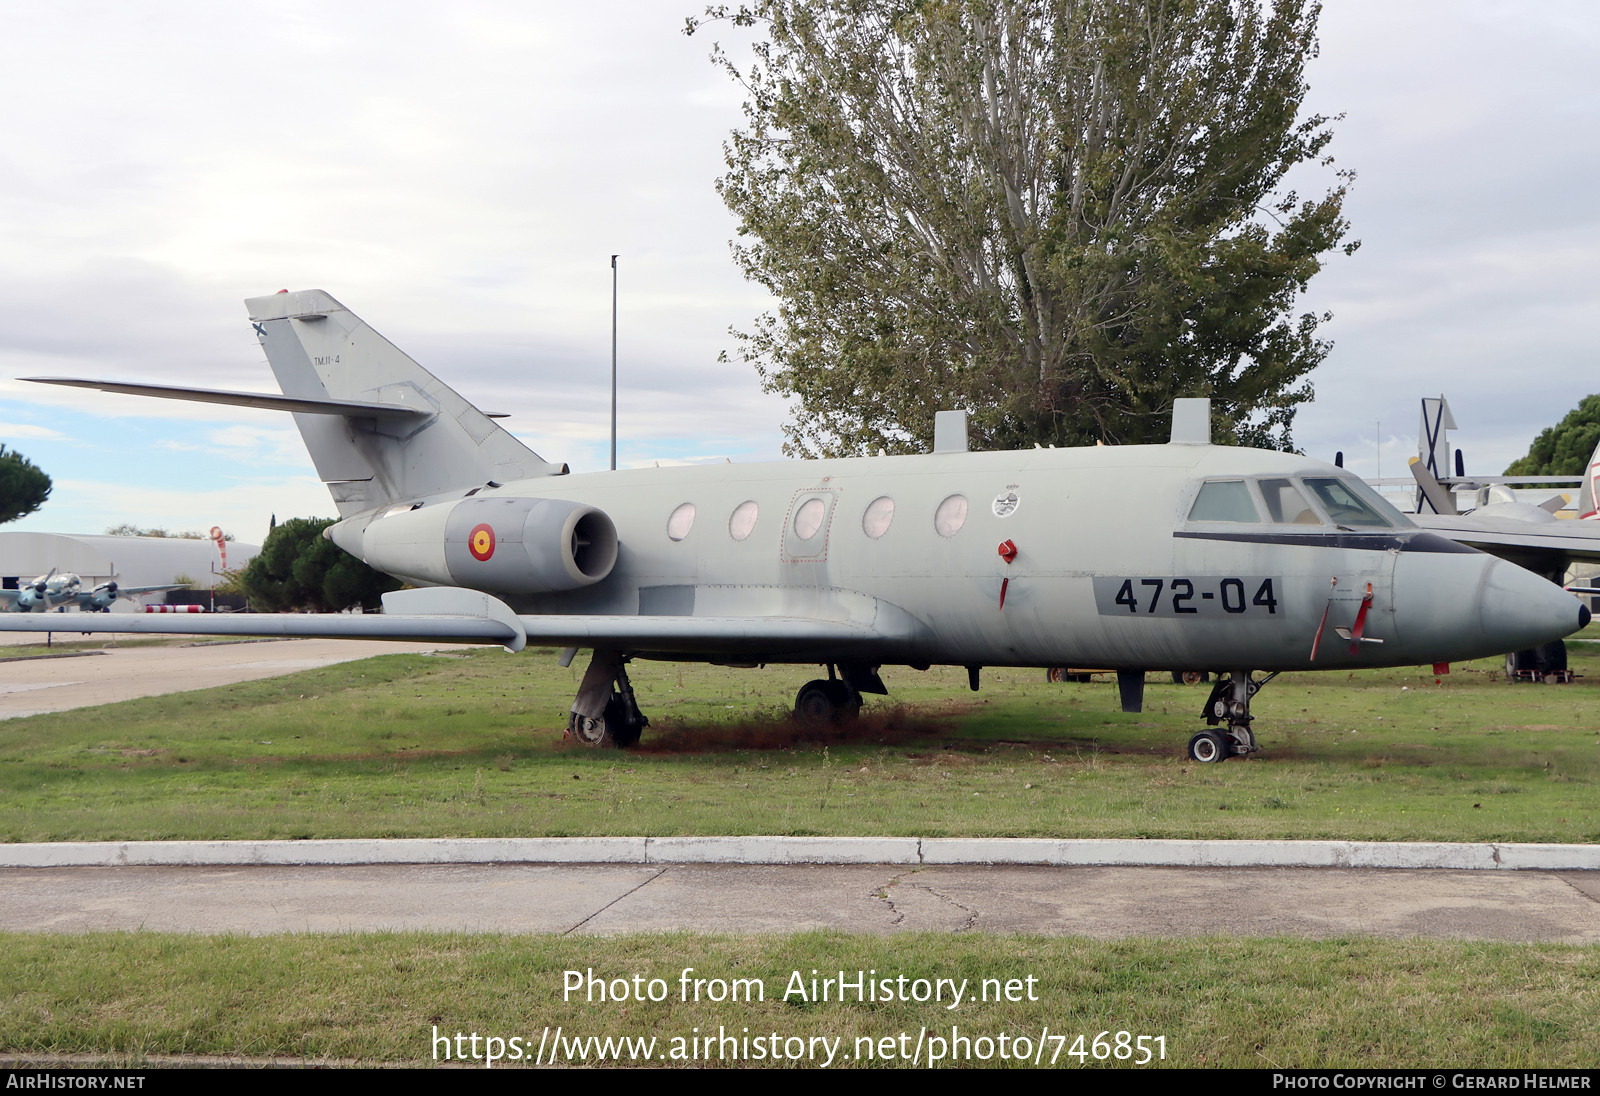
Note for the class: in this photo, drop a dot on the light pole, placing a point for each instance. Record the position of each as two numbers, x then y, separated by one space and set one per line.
613 363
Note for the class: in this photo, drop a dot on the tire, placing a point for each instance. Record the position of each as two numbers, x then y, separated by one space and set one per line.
1056 674
1190 677
814 705
846 701
1553 657
623 731
594 733
613 730
1208 748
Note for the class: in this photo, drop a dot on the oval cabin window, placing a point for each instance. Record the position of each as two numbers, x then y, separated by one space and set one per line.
743 521
880 512
808 519
951 515
681 521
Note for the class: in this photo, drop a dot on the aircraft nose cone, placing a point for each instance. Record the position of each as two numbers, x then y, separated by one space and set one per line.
1523 610
1451 607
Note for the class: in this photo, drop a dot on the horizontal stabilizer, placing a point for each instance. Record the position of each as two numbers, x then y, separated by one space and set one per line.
305 405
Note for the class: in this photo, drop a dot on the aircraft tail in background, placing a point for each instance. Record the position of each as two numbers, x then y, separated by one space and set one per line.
1590 491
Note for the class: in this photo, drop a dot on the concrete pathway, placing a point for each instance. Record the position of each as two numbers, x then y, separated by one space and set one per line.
111 673
616 898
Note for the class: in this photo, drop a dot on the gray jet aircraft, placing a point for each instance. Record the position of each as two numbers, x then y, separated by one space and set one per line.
1242 559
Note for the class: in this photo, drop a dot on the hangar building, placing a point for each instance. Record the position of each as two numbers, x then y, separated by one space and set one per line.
136 561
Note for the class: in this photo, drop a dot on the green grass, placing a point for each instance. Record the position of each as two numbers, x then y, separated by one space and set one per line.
470 745
1255 1003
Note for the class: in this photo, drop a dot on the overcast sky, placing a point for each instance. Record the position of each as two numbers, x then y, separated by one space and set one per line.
459 176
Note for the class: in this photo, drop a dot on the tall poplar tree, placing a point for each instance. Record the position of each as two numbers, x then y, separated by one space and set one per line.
1057 214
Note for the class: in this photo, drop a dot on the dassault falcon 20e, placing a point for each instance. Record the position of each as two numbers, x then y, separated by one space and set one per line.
1231 558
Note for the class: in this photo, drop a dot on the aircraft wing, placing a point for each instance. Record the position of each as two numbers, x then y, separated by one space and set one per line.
1553 544
454 615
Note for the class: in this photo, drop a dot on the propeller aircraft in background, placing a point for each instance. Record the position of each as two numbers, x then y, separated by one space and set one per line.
60 590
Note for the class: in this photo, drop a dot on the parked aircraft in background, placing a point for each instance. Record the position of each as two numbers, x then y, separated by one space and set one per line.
63 589
1238 559
1531 536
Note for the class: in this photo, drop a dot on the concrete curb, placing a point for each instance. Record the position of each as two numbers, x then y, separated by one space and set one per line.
808 850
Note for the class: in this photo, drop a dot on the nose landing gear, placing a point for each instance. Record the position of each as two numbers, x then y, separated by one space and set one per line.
1229 703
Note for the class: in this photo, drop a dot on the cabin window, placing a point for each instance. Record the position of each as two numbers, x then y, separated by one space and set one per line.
808 519
681 521
1351 503
951 516
743 521
1286 505
1224 500
880 512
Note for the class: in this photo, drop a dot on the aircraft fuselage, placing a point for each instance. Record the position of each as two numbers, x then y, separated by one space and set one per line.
1105 568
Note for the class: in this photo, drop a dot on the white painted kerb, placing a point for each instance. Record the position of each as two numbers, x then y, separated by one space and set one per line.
808 850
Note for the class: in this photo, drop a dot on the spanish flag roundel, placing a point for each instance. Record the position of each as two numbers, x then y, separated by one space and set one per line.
480 542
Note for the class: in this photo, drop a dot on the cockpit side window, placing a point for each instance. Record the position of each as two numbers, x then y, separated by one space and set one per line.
1352 503
1286 505
1224 500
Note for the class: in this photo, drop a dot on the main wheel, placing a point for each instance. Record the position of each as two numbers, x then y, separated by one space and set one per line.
624 732
813 705
595 733
1522 665
846 701
822 702
613 729
1208 747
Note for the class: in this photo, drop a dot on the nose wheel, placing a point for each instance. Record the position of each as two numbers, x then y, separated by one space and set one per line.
1207 747
1228 709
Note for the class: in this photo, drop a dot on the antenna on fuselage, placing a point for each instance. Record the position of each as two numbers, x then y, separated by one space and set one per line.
1191 421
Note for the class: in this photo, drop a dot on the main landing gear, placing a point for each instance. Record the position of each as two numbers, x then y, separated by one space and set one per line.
1228 704
837 699
605 712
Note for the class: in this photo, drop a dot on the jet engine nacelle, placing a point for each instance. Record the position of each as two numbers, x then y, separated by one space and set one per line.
503 545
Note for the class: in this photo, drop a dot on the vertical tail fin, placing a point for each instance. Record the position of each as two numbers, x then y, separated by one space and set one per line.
1590 492
319 349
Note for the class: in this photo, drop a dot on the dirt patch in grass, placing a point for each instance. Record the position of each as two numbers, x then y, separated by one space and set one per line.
891 726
